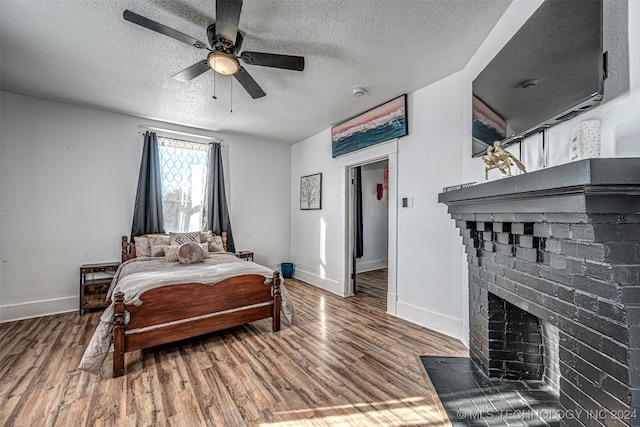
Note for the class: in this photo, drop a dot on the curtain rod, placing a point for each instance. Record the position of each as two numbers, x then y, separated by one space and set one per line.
175 132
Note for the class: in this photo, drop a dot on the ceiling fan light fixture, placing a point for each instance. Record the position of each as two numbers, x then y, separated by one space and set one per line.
223 63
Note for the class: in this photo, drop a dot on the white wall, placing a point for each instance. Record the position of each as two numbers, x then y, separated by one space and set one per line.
69 177
428 258
432 286
375 219
429 262
318 237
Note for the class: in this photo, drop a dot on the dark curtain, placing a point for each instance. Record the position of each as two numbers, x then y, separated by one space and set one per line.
359 238
216 215
147 213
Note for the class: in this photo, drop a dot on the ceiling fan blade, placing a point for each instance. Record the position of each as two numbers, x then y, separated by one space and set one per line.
287 62
247 82
162 29
227 18
192 72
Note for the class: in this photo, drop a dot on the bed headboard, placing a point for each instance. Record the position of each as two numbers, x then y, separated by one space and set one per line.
129 248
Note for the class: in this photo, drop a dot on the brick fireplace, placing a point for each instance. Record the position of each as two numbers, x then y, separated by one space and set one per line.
554 283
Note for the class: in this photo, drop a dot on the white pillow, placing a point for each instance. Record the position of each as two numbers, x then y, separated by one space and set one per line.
182 238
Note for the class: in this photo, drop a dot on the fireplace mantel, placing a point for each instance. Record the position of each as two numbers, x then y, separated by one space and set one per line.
563 244
576 187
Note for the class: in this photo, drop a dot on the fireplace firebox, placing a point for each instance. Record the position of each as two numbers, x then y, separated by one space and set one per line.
516 349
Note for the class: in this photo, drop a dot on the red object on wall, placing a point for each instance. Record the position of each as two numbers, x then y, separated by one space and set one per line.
380 189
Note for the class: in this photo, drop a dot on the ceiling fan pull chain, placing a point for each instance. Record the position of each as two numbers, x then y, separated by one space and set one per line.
214 86
231 94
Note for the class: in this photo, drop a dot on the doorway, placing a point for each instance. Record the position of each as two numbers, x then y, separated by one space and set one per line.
369 230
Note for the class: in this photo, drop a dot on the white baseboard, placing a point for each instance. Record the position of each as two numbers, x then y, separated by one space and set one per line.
465 334
442 323
28 310
333 286
361 267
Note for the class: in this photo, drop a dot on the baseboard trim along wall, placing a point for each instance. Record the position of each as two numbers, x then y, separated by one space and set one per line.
362 267
28 310
333 286
438 322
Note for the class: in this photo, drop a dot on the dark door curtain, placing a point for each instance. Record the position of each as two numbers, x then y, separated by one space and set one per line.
359 237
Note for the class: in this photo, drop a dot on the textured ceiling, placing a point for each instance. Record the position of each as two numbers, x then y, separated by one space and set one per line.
84 52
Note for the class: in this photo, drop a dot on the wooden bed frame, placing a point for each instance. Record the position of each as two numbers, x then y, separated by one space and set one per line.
177 312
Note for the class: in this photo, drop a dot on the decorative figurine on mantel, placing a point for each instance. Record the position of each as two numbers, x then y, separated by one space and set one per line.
498 157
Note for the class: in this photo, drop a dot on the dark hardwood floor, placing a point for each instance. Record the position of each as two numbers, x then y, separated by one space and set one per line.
344 362
371 287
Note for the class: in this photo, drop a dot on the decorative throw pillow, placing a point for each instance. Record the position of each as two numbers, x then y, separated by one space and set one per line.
190 253
171 253
205 236
143 248
157 243
158 239
215 244
205 249
182 238
158 250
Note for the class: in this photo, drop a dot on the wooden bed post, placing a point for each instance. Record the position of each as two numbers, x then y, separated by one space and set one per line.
223 235
118 335
276 301
125 249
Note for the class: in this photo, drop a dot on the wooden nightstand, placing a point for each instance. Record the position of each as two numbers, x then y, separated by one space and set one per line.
94 284
245 255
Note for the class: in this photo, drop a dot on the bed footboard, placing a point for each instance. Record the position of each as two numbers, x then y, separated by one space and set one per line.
176 312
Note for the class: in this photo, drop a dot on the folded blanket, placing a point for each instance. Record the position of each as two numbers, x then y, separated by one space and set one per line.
138 275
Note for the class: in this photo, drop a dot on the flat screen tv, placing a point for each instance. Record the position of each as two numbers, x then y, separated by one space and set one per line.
551 70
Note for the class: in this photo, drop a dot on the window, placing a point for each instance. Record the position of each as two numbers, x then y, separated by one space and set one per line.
183 165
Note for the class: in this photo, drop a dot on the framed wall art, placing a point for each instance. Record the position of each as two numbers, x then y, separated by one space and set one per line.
380 124
311 192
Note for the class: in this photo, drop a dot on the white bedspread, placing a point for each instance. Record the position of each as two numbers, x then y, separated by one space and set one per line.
138 275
